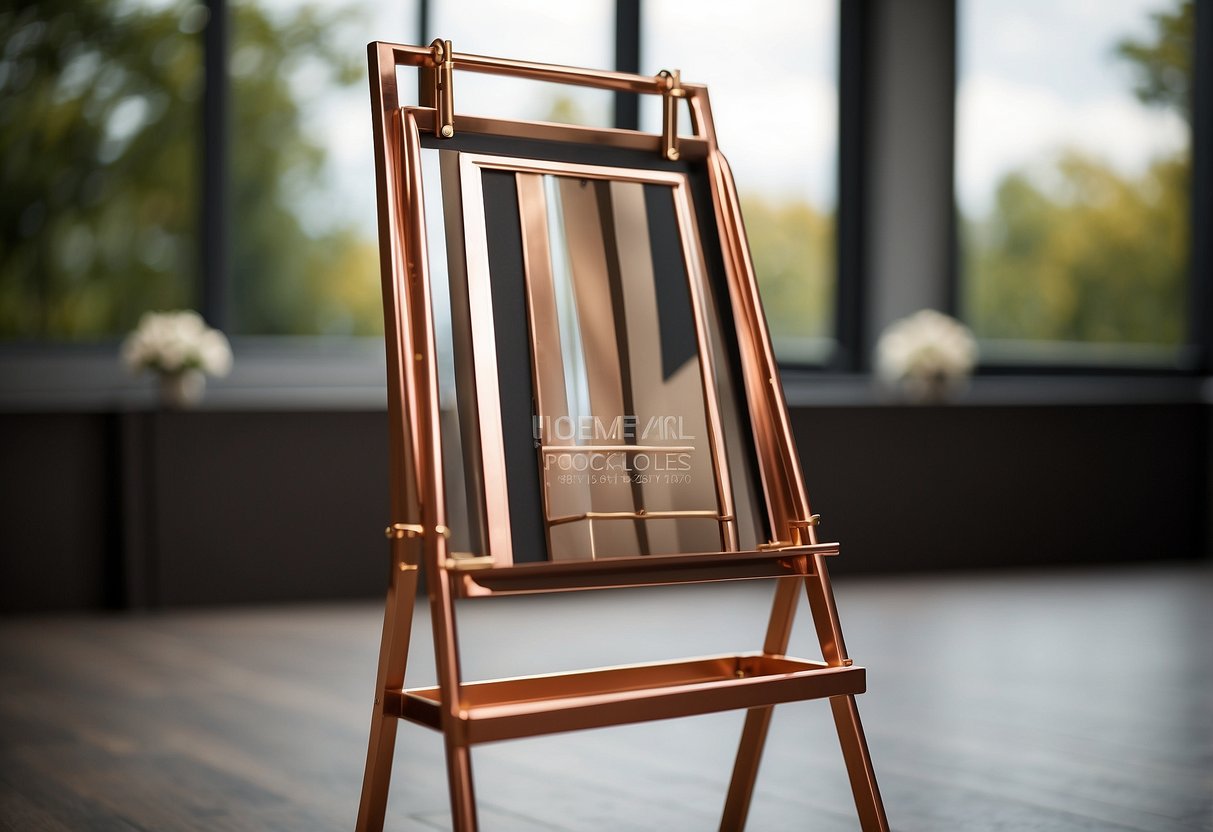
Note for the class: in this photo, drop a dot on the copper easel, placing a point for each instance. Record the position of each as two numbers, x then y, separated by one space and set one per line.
470 713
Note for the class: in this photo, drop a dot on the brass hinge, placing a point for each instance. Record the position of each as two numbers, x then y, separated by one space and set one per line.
399 531
671 93
444 89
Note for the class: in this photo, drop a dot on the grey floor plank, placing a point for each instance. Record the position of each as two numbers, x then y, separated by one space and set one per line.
1060 701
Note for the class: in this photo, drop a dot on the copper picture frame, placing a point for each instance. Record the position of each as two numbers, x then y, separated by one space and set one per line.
731 365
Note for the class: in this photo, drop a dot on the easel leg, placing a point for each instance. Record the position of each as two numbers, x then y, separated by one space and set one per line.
758 720
393 655
446 659
373 806
459 776
846 715
745 769
859 764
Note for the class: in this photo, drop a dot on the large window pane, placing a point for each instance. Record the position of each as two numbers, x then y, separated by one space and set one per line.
99 105
304 257
1072 174
771 69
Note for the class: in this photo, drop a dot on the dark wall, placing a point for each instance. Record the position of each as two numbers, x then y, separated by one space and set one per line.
149 509
57 536
162 509
944 487
268 506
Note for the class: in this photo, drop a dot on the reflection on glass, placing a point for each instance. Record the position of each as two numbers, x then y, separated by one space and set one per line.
462 505
576 380
621 427
1072 173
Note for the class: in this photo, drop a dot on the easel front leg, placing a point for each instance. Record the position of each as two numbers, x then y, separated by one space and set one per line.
393 655
378 776
459 778
758 720
868 804
446 657
745 769
846 715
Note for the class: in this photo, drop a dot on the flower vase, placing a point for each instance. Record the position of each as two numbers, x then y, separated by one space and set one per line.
183 389
929 388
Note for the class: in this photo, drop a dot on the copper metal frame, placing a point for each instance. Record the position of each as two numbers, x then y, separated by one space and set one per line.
470 713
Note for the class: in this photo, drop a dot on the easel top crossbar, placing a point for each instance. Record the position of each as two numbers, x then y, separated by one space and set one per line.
424 57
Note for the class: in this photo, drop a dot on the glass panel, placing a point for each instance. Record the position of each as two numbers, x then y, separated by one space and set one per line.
302 185
99 106
597 414
464 508
573 34
621 424
771 69
1072 175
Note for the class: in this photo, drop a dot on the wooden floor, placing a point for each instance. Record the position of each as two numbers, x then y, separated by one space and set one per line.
1066 701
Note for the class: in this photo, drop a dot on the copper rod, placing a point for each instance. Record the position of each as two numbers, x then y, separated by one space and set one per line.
433 509
402 583
758 720
777 405
825 615
745 769
706 514
868 804
423 56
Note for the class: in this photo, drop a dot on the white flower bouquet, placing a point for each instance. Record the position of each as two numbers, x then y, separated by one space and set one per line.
927 355
180 348
172 342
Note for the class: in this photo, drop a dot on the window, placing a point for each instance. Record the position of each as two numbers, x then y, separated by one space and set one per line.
772 72
304 257
1072 165
576 34
101 126
99 118
1072 175
301 183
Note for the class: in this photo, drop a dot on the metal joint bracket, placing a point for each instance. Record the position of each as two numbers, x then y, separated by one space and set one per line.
396 531
466 560
804 530
444 90
671 92
797 537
